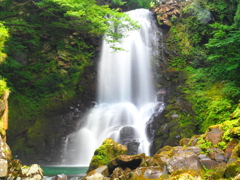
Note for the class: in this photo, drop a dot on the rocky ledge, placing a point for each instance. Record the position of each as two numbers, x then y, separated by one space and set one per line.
165 12
213 155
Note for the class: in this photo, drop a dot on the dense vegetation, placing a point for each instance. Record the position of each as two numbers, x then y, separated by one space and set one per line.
207 39
3 37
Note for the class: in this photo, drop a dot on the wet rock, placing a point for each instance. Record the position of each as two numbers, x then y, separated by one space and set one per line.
214 134
209 163
230 146
187 160
60 177
132 148
126 161
128 138
216 154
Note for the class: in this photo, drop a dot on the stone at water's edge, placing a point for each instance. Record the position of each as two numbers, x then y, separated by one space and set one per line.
186 162
105 153
17 170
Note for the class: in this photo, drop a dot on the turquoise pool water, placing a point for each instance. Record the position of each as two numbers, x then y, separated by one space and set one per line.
67 170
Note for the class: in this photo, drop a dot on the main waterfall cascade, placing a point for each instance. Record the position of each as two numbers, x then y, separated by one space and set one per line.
126 99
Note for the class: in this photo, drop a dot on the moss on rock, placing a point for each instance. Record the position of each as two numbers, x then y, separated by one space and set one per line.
105 153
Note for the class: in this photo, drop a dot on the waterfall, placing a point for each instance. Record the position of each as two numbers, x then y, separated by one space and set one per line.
126 98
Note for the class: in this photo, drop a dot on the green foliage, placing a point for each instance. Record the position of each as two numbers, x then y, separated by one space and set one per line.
221 10
237 18
204 144
3 86
91 18
3 37
223 53
134 4
118 2
206 41
212 102
217 111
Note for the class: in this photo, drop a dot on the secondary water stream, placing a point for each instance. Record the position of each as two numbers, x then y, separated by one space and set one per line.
126 99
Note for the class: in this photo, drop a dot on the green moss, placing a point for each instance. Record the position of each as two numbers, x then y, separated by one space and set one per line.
204 144
105 153
232 169
236 113
217 173
35 134
185 175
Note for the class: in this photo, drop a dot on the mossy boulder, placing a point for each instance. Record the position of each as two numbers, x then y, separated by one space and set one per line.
105 153
185 175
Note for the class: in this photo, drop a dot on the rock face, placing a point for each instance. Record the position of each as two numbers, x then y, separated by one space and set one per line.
177 119
5 152
12 169
166 11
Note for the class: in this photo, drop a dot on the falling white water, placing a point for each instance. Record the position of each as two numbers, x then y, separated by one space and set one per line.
125 92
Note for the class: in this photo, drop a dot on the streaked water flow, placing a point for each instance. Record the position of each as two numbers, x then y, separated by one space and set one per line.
125 93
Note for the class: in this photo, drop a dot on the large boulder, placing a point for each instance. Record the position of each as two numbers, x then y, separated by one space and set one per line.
184 158
105 153
128 138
